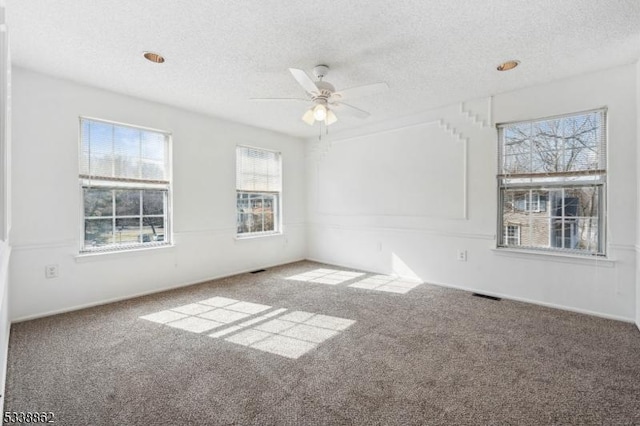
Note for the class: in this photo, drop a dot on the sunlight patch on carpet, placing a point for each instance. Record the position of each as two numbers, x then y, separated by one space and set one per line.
326 276
291 334
387 283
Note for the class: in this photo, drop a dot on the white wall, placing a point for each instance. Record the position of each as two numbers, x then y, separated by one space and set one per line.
5 222
638 196
404 196
46 200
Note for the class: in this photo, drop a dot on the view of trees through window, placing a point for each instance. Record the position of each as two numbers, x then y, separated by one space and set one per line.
256 212
123 216
258 186
124 174
551 182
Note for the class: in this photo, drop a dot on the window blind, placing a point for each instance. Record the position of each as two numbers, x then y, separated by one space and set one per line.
552 182
568 145
123 153
257 170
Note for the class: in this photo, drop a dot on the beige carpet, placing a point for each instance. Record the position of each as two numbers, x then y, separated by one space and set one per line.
307 344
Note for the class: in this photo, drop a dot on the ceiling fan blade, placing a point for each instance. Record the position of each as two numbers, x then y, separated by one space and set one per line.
360 113
362 91
304 80
280 99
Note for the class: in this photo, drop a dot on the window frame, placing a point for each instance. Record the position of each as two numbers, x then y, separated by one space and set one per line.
133 184
556 181
277 195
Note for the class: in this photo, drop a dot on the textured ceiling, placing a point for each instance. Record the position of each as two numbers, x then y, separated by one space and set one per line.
221 53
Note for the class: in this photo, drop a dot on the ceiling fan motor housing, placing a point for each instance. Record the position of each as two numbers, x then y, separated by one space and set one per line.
320 71
325 91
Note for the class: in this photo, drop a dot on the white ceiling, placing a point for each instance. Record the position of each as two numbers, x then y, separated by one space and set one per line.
221 53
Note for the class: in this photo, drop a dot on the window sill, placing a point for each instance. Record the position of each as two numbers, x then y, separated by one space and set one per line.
556 257
257 236
115 254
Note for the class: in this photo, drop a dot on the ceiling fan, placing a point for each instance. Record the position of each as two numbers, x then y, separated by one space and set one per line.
325 99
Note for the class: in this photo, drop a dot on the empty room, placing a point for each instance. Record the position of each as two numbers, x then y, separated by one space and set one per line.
337 213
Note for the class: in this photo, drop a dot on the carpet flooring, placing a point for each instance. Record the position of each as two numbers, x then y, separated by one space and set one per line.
344 350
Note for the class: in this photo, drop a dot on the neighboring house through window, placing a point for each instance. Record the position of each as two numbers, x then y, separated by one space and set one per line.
125 178
258 191
551 181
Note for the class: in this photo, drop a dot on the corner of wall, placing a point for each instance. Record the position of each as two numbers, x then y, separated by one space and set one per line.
5 184
637 206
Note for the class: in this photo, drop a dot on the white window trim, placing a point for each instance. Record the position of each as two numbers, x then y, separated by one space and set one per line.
601 185
279 211
125 249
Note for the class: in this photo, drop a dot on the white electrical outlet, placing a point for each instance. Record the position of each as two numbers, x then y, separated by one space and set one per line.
462 255
51 271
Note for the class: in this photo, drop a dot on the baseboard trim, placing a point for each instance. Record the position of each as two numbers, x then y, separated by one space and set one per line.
539 303
147 293
502 296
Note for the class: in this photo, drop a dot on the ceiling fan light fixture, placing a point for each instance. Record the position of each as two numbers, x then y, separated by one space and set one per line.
509 65
320 112
331 117
308 117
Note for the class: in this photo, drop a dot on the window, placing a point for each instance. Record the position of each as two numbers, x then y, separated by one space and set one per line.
125 180
512 235
551 182
258 187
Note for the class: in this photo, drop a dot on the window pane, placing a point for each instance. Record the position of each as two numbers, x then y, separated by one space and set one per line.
257 170
563 218
557 204
547 145
153 170
111 150
256 212
153 146
571 143
584 201
152 229
98 232
98 145
98 202
269 209
153 202
127 202
127 159
258 182
128 231
126 152
516 149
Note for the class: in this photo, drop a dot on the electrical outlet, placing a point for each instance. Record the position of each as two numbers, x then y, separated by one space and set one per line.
462 255
51 271
379 246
